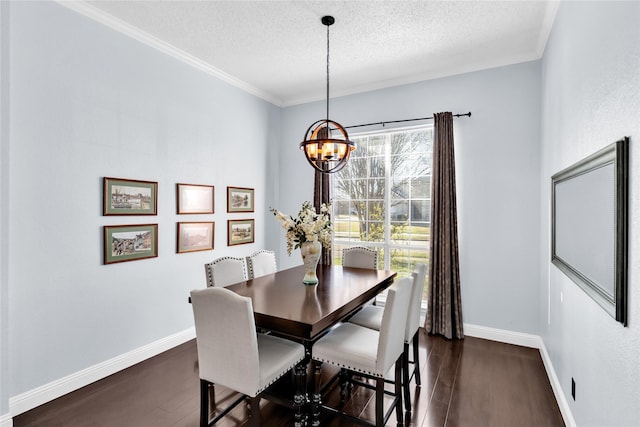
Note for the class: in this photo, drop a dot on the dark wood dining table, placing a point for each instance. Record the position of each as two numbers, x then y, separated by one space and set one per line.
284 305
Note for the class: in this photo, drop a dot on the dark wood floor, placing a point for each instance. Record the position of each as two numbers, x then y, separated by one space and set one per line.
472 382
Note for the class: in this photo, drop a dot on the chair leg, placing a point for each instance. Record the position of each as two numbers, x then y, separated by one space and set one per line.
212 395
316 397
254 411
416 357
405 377
204 403
380 402
398 390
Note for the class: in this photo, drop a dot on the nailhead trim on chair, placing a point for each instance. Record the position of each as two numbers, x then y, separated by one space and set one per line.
249 261
208 265
331 362
363 249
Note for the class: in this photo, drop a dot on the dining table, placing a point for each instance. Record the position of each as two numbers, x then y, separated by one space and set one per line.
284 305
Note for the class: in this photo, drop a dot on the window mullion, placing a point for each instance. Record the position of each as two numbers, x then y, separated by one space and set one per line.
387 202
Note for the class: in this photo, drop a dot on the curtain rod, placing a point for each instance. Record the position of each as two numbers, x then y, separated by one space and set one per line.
401 121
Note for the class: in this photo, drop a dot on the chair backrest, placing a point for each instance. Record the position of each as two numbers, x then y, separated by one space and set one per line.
394 321
226 339
261 263
413 319
360 257
225 271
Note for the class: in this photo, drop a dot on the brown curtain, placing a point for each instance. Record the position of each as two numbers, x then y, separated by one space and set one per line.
444 306
322 194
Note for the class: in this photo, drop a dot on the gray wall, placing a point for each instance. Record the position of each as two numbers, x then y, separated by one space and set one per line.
497 155
87 102
591 98
4 207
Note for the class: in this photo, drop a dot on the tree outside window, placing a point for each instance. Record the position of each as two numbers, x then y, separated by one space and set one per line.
382 198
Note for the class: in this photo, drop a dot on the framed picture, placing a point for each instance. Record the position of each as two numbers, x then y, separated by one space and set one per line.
240 231
239 199
129 197
130 242
195 199
195 236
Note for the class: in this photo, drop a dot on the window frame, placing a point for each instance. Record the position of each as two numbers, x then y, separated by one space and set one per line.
388 245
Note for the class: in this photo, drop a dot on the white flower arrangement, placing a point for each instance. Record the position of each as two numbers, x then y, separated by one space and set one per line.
309 226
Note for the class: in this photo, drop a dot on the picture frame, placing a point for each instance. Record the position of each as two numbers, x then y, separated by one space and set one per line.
195 199
240 231
195 236
129 197
240 199
130 242
589 226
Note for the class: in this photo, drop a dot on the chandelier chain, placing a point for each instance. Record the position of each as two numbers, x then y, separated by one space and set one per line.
327 72
326 144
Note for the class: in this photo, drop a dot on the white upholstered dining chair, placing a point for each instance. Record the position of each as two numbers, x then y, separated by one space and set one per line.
232 354
225 271
261 263
369 353
360 257
371 317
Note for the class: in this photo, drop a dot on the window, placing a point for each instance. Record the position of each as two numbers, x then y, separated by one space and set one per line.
382 198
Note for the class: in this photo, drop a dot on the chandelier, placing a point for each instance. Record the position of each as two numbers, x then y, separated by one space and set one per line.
326 143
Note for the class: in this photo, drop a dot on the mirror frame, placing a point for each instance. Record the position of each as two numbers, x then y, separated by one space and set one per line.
618 155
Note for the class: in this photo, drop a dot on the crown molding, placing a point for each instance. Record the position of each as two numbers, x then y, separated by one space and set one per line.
442 73
135 33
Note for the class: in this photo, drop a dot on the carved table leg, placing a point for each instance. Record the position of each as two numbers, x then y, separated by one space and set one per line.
316 398
344 380
300 397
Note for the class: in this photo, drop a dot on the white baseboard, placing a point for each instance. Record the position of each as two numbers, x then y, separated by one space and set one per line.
501 335
557 388
46 393
532 341
6 420
43 394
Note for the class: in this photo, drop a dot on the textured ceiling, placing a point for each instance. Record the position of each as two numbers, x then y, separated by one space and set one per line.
277 49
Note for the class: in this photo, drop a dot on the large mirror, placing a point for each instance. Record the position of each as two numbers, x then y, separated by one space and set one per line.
589 226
